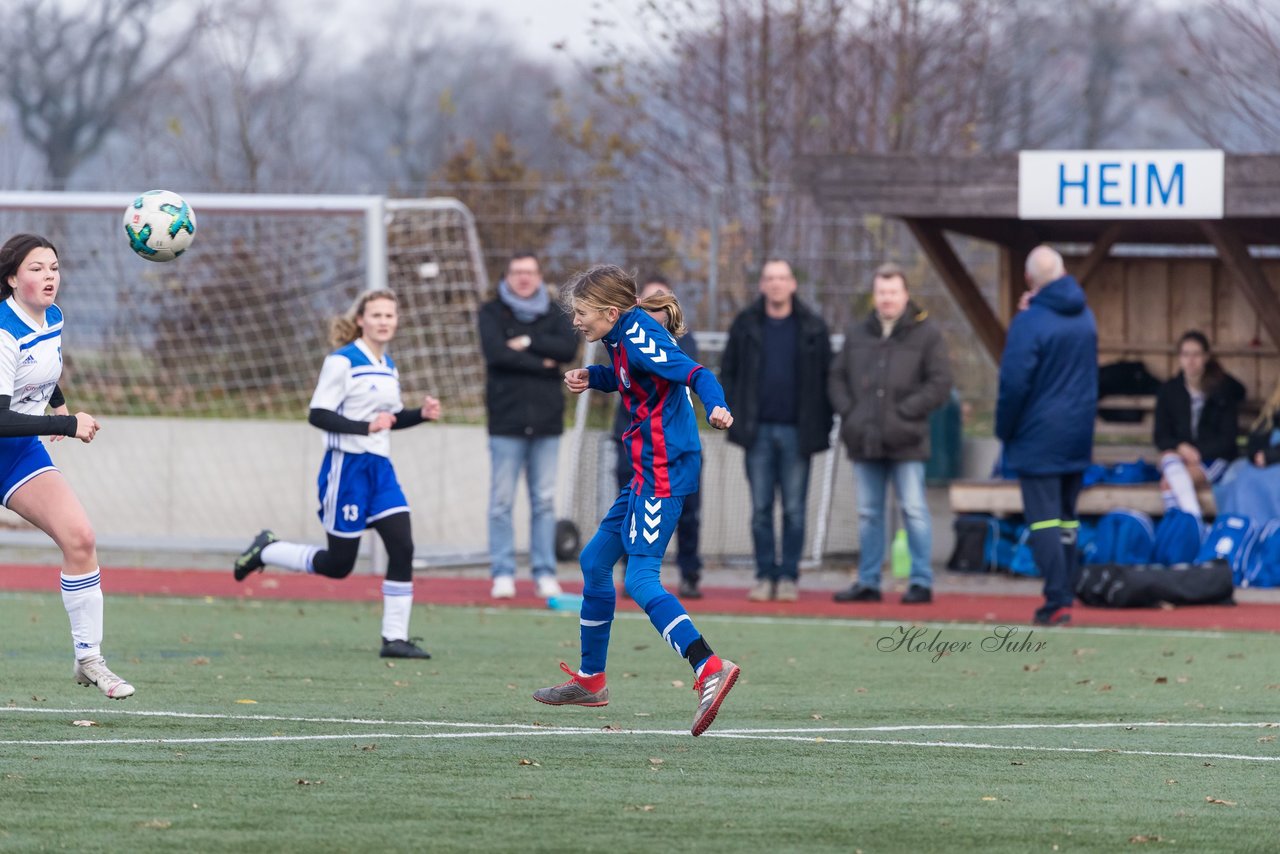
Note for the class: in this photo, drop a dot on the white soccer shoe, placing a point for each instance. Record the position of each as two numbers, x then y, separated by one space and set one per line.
504 587
94 671
548 587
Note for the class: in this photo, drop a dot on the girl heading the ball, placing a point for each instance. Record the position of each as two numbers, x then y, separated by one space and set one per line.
653 376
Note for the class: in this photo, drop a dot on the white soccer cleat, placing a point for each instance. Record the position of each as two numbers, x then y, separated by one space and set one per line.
548 587
504 587
94 671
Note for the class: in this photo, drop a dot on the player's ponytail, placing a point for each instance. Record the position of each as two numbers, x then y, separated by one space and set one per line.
667 302
608 286
13 253
343 329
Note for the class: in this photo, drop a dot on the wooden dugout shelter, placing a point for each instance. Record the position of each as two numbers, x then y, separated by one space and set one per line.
1177 272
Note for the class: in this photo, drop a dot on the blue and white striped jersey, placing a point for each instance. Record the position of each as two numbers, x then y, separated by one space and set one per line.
358 386
30 356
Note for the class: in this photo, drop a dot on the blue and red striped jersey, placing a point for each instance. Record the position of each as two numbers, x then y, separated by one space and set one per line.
654 377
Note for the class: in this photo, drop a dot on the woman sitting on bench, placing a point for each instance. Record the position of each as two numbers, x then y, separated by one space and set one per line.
1196 424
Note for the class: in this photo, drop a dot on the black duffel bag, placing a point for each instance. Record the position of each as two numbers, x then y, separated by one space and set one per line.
1117 586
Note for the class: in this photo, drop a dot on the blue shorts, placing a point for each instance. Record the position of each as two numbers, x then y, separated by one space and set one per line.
645 524
21 458
357 490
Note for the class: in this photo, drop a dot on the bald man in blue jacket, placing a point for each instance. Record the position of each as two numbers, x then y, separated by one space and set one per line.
1044 416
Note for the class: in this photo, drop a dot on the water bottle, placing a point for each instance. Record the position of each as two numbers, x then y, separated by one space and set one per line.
901 555
565 602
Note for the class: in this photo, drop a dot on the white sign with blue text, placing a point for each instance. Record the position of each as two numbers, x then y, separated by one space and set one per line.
1120 184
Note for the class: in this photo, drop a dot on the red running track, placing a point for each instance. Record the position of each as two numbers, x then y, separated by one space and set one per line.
946 607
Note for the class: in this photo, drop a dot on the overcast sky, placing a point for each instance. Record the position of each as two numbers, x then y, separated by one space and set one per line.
539 24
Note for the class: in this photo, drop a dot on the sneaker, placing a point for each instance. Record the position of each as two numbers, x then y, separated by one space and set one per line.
1054 617
578 691
762 592
718 676
504 587
787 590
250 559
402 649
689 590
917 595
94 671
858 593
548 586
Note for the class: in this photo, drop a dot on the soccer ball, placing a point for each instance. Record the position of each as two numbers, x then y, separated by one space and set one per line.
160 225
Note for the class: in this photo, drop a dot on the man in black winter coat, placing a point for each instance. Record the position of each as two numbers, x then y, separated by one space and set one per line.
525 336
774 374
893 371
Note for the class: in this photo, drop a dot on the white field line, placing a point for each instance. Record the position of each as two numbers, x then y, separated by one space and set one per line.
666 733
150 713
731 619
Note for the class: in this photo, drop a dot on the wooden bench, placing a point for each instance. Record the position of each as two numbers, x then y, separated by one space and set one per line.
1004 498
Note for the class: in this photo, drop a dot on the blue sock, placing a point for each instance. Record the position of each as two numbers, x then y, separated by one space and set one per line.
599 599
665 611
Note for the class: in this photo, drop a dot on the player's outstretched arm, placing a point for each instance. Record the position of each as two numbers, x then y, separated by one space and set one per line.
17 424
429 411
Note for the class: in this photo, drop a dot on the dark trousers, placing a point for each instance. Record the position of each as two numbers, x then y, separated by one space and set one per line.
688 529
1049 504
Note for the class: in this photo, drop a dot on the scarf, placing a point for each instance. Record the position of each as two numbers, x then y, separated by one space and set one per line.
526 309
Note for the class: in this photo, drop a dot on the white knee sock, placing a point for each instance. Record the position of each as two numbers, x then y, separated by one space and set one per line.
397 602
82 597
1179 480
295 556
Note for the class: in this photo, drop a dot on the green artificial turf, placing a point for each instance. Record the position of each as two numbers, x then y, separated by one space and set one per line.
518 776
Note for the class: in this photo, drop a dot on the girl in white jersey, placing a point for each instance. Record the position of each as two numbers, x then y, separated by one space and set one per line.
30 366
356 402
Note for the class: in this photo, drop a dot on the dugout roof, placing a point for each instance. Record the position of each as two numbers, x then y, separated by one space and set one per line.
978 197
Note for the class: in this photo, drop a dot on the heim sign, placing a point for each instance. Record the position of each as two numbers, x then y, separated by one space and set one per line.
1120 184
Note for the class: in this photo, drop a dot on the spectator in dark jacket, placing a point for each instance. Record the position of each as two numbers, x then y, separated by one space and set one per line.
689 526
1047 402
893 371
1197 422
774 372
525 335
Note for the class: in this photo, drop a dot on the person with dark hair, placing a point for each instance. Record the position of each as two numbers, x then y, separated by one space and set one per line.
524 336
356 402
775 366
687 558
1197 422
654 378
1045 410
30 484
893 371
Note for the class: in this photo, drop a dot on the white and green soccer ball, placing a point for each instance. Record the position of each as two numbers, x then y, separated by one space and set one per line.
159 225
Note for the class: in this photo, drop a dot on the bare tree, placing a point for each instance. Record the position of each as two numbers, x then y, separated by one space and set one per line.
73 74
1229 93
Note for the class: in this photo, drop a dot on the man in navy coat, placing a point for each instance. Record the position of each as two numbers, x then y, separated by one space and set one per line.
1044 415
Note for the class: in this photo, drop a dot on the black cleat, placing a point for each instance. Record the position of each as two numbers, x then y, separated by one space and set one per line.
402 649
917 595
858 593
1055 617
250 559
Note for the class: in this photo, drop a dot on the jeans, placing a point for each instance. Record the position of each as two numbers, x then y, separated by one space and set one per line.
872 480
536 455
775 464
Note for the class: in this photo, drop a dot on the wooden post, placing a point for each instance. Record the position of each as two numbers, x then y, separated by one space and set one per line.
1253 283
961 285
1098 253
